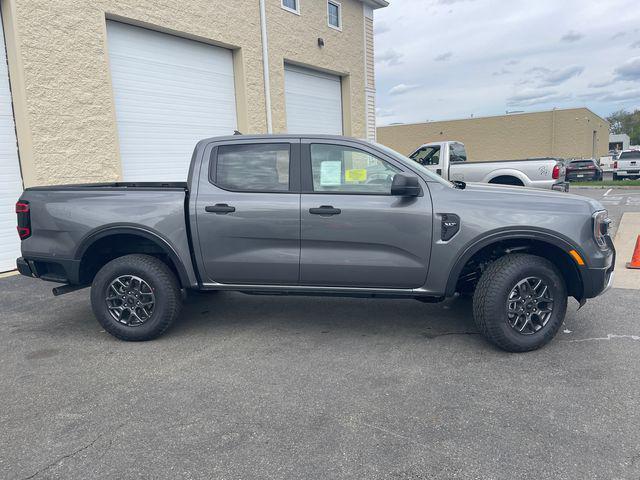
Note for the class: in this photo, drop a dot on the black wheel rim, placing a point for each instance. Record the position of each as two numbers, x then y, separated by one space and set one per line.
130 300
529 306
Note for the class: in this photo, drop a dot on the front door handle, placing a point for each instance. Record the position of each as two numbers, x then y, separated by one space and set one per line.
325 210
220 208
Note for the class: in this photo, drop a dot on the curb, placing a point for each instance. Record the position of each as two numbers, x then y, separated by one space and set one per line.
602 187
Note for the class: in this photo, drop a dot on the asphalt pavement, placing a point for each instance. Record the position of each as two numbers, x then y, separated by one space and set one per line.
257 387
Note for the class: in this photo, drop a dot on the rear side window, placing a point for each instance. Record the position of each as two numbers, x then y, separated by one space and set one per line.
253 168
630 155
458 153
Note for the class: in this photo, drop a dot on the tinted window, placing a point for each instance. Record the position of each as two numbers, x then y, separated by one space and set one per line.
349 170
582 164
259 168
427 156
629 155
458 153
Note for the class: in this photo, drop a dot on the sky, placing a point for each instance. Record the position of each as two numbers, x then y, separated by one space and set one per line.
448 59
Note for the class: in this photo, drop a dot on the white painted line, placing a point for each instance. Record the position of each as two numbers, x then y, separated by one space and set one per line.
607 192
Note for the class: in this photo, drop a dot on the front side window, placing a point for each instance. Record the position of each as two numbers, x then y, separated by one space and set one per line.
290 5
427 156
335 14
341 169
253 168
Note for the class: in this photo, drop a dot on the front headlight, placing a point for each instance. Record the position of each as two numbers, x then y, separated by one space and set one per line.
601 222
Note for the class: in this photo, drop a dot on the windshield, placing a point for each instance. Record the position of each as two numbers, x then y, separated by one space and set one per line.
415 165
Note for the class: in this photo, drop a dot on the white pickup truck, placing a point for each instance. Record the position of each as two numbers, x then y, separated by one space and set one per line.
449 160
627 165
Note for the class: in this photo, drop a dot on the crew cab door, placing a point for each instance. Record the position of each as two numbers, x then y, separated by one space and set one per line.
354 232
248 212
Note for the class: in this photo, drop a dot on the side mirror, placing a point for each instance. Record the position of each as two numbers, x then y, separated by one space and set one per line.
405 186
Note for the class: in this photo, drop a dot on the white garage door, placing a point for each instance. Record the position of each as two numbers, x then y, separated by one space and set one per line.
169 93
313 101
10 178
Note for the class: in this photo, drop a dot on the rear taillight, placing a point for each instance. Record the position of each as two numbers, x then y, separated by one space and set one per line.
556 172
615 164
24 219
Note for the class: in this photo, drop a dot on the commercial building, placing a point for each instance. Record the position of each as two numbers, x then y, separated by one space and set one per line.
570 133
109 90
619 141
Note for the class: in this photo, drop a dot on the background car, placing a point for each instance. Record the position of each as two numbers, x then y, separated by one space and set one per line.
583 170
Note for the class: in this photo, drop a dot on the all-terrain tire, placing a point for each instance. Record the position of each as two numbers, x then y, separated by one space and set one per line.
492 293
162 282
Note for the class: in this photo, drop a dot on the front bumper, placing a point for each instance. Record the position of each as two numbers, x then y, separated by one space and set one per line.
596 281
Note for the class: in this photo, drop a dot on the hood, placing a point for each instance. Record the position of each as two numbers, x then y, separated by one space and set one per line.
522 193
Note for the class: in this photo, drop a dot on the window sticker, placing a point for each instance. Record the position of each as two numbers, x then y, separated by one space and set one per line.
330 173
356 175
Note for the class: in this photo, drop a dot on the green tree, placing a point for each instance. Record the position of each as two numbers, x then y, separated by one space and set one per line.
626 122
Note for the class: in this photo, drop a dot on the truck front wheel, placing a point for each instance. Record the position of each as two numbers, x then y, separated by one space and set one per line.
520 302
135 297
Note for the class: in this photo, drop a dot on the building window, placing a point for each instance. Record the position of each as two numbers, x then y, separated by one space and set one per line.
291 5
335 14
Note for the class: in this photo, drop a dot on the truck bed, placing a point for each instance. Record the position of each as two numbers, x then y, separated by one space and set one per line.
115 185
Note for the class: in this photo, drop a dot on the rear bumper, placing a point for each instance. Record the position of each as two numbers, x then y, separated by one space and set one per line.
560 186
51 269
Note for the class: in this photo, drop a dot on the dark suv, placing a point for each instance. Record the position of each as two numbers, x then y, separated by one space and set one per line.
583 170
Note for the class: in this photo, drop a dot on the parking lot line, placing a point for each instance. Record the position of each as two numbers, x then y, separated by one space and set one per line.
607 192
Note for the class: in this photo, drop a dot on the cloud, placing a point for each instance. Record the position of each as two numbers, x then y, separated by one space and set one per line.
618 35
538 70
556 77
390 56
572 36
602 84
384 112
533 97
402 88
443 57
512 62
635 44
381 27
451 2
617 96
499 73
630 70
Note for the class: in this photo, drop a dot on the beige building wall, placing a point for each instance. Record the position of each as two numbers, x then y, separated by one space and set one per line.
558 133
63 100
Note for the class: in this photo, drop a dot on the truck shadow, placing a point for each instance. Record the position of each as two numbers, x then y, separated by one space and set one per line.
229 310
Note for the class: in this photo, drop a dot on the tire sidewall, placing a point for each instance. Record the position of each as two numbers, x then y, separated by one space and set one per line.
554 281
99 288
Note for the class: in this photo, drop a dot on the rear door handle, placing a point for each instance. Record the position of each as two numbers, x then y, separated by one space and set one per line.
220 208
325 210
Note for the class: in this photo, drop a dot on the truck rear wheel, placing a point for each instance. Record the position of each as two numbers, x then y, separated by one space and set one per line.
135 297
520 302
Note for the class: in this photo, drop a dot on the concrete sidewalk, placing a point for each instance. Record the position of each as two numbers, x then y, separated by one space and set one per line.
625 241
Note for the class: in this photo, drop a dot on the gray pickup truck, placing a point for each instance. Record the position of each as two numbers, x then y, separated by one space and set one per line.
317 215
